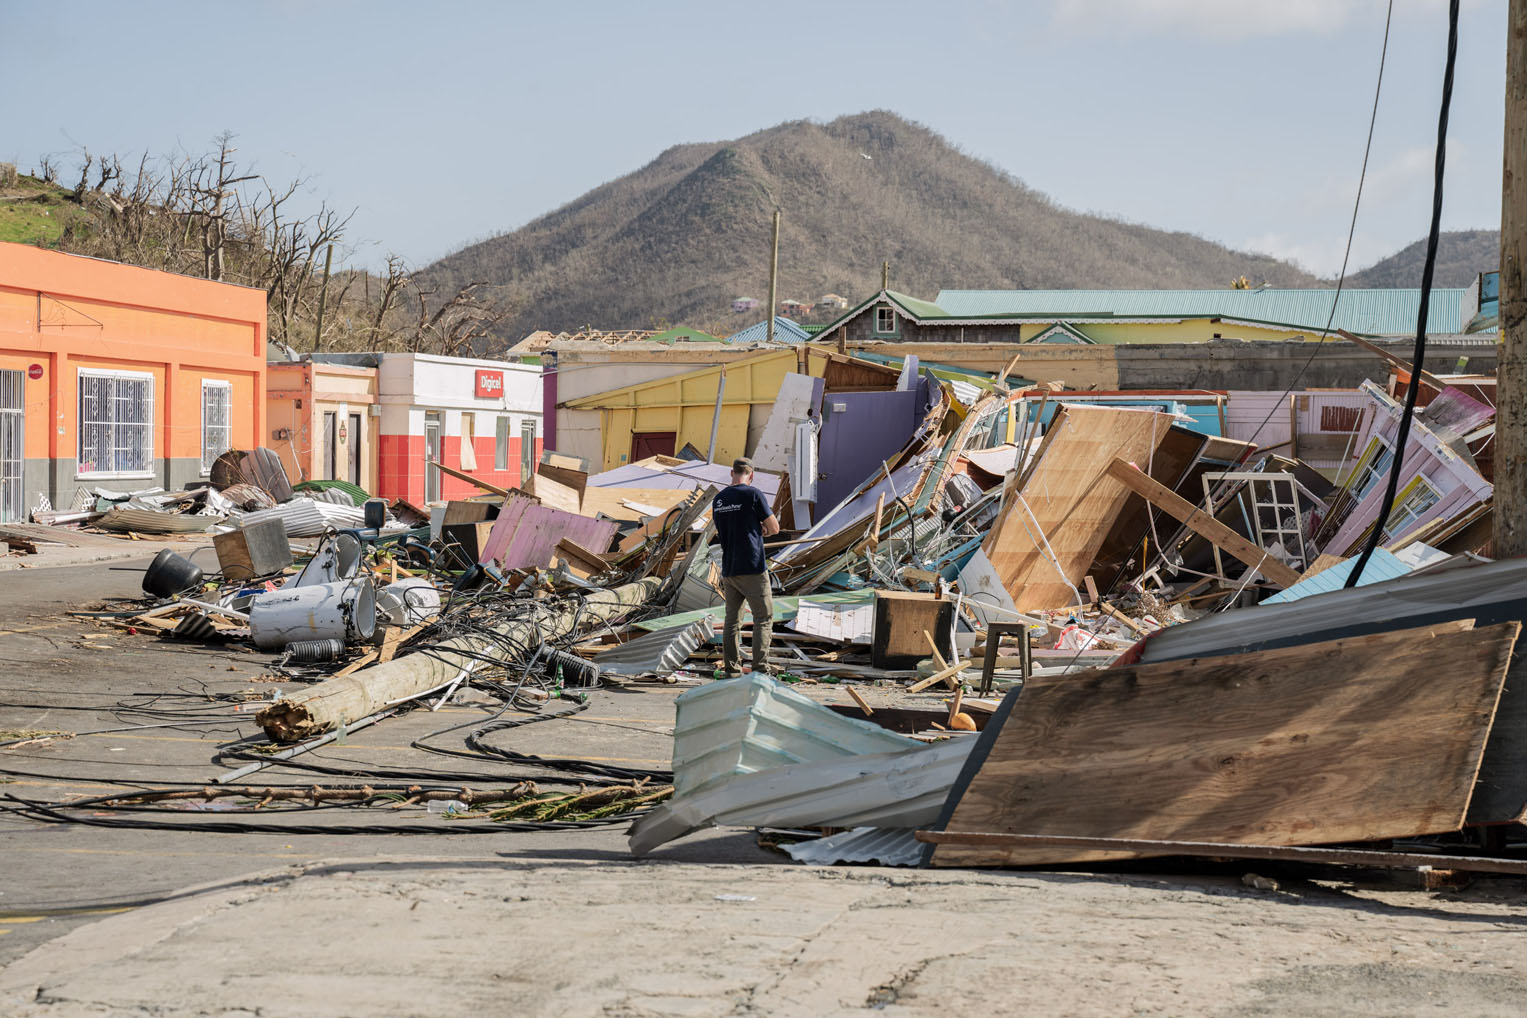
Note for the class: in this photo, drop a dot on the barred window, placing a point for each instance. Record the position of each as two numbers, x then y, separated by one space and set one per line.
116 423
216 421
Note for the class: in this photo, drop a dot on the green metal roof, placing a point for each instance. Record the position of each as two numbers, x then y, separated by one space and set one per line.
1374 312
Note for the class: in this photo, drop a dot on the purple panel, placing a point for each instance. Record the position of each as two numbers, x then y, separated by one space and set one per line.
526 534
856 440
535 539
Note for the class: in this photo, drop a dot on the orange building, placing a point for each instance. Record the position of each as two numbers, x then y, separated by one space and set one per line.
324 420
120 377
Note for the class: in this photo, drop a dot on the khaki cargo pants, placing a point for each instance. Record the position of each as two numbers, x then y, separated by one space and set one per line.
754 589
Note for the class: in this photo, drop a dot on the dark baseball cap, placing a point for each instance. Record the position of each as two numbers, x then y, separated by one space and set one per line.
742 465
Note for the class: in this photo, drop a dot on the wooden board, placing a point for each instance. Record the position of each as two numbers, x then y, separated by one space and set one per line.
617 503
1360 739
1053 527
552 492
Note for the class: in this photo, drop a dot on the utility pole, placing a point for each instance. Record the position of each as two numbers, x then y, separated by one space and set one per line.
774 276
885 275
1511 372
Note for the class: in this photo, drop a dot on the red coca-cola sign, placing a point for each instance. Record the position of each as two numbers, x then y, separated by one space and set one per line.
34 371
490 384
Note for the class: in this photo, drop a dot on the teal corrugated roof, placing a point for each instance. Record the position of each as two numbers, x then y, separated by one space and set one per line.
785 331
1374 312
1382 566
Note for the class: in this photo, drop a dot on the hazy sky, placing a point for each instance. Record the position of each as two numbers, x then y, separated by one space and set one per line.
1240 120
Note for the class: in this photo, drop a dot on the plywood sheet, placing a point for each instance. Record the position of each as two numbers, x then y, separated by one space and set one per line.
631 503
1360 739
1055 524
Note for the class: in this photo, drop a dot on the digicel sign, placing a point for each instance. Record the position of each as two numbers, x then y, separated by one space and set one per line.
490 384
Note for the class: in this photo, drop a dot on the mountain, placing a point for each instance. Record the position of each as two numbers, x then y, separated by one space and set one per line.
678 239
1461 255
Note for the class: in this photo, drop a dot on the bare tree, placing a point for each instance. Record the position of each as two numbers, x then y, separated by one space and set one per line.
214 179
452 326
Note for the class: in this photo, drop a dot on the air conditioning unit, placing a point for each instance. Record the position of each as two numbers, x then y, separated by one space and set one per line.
375 410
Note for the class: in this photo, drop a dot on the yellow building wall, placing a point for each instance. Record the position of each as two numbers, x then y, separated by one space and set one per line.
686 405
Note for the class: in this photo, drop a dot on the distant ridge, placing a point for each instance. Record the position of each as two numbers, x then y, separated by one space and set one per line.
1461 255
678 239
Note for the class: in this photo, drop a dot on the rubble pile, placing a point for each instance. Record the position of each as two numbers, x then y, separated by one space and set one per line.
1060 631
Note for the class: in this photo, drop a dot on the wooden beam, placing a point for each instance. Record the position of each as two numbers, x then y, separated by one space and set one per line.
1397 361
1214 849
1201 523
484 485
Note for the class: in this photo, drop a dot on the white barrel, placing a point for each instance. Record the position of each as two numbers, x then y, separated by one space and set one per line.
345 610
408 602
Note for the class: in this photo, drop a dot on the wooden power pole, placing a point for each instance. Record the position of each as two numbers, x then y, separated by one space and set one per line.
1511 371
773 276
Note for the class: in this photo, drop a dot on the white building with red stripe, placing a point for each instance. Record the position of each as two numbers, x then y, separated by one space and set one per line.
482 417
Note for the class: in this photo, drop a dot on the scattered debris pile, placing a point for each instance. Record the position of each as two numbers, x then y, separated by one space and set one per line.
1131 635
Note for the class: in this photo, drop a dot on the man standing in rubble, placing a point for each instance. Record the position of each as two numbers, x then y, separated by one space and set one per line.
743 519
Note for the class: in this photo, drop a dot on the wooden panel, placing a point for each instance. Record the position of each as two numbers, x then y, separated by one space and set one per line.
617 503
902 619
554 493
1360 739
1054 525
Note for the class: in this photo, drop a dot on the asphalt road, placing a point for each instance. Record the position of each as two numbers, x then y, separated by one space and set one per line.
139 712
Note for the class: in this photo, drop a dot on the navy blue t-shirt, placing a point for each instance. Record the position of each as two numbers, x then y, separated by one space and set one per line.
739 512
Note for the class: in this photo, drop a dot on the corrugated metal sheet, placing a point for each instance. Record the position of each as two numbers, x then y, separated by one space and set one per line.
889 846
752 724
906 789
656 653
785 331
1381 566
1489 593
1383 312
151 521
303 517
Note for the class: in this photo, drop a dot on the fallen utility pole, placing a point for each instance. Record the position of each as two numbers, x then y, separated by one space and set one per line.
340 701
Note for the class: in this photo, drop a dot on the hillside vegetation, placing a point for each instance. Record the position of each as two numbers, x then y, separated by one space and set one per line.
679 238
1461 256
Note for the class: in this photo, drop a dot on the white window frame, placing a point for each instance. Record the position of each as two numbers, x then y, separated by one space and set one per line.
1392 532
885 309
227 387
79 424
1368 473
501 443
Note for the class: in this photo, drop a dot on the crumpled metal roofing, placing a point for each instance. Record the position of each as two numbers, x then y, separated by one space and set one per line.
155 521
658 653
303 517
889 846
